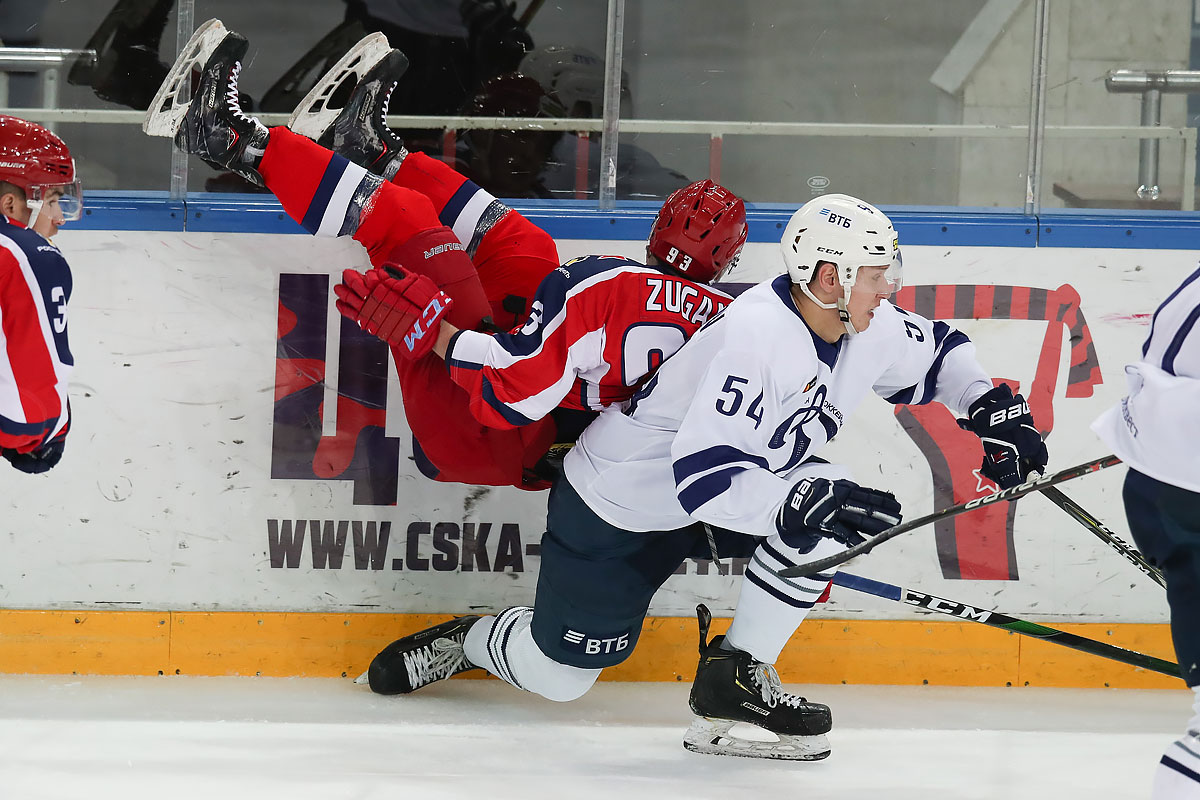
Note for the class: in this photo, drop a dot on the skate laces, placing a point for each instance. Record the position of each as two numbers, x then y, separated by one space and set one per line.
441 659
232 102
767 679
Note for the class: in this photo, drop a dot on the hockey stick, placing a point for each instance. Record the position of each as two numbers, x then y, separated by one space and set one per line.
1011 493
531 9
1003 621
1097 527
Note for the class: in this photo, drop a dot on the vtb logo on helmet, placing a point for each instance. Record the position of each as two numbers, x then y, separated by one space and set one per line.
37 161
700 230
844 231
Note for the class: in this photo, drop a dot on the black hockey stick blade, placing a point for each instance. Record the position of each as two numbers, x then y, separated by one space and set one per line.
1131 553
995 619
1012 493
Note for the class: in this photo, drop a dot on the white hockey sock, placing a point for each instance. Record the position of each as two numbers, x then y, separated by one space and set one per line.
1178 773
770 608
504 646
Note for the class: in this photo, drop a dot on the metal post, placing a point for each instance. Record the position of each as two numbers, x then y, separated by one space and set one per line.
1148 148
184 28
1037 109
1152 84
612 103
50 92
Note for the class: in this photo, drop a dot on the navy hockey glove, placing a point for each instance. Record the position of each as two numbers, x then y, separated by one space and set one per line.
840 510
39 460
1012 446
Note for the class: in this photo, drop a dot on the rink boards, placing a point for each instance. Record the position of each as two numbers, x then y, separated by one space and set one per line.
238 494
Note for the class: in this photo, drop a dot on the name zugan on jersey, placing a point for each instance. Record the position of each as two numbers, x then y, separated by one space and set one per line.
678 297
465 547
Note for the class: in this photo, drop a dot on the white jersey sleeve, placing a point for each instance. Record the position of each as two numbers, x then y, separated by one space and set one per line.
930 361
1155 429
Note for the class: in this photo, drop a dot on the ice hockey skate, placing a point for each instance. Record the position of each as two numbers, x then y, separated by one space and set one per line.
346 111
210 123
418 660
731 687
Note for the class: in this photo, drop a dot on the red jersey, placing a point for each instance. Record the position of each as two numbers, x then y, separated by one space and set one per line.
599 326
35 360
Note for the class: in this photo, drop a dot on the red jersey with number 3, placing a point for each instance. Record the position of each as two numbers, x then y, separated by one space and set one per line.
35 359
599 326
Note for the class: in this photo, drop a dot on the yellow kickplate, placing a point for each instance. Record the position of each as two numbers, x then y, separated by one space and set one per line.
342 645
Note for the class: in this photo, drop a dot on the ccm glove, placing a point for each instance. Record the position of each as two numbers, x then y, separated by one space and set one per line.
1012 446
841 510
40 459
402 308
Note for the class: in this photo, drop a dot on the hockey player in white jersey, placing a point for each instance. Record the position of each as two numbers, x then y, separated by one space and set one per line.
728 433
1156 431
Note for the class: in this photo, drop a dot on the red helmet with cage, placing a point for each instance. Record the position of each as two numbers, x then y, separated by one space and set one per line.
37 161
700 230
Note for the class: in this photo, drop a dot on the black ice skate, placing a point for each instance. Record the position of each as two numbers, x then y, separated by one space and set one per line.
211 123
418 660
732 687
346 111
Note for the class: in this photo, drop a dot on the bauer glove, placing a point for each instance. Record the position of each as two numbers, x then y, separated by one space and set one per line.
841 510
402 308
1012 446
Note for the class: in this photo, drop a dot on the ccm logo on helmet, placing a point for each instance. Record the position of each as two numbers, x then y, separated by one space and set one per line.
829 250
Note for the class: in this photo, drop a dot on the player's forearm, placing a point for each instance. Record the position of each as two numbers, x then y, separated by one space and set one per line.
445 333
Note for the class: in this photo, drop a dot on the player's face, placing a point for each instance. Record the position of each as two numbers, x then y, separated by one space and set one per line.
870 289
50 218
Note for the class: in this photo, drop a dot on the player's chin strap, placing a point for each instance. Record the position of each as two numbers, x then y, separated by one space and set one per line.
841 306
35 208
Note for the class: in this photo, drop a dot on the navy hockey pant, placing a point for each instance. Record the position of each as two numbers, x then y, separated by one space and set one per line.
595 581
1165 523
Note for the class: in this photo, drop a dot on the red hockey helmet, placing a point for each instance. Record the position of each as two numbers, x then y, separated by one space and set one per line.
37 161
700 230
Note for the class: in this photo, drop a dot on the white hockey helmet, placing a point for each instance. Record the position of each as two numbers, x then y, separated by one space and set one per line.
843 231
576 76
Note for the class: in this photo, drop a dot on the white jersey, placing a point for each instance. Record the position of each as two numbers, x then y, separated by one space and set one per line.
1156 428
722 429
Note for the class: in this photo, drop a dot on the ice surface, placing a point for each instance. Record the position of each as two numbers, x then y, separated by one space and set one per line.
180 738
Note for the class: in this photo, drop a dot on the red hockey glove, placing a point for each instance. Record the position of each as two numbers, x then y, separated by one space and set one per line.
401 308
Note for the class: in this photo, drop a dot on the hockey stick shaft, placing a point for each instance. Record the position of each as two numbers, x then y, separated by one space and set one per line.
1097 527
1012 493
533 7
996 619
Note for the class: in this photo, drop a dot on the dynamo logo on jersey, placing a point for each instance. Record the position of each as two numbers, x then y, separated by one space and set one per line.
793 428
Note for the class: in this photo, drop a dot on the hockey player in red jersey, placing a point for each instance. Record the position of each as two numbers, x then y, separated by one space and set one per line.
482 259
38 192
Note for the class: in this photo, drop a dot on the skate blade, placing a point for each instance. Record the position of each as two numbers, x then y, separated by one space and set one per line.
363 680
313 114
171 102
712 737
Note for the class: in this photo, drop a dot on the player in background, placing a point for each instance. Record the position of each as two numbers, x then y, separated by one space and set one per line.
728 432
482 259
38 192
1156 431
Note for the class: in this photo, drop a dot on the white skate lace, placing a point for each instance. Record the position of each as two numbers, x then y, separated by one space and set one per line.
441 659
231 94
387 100
772 688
